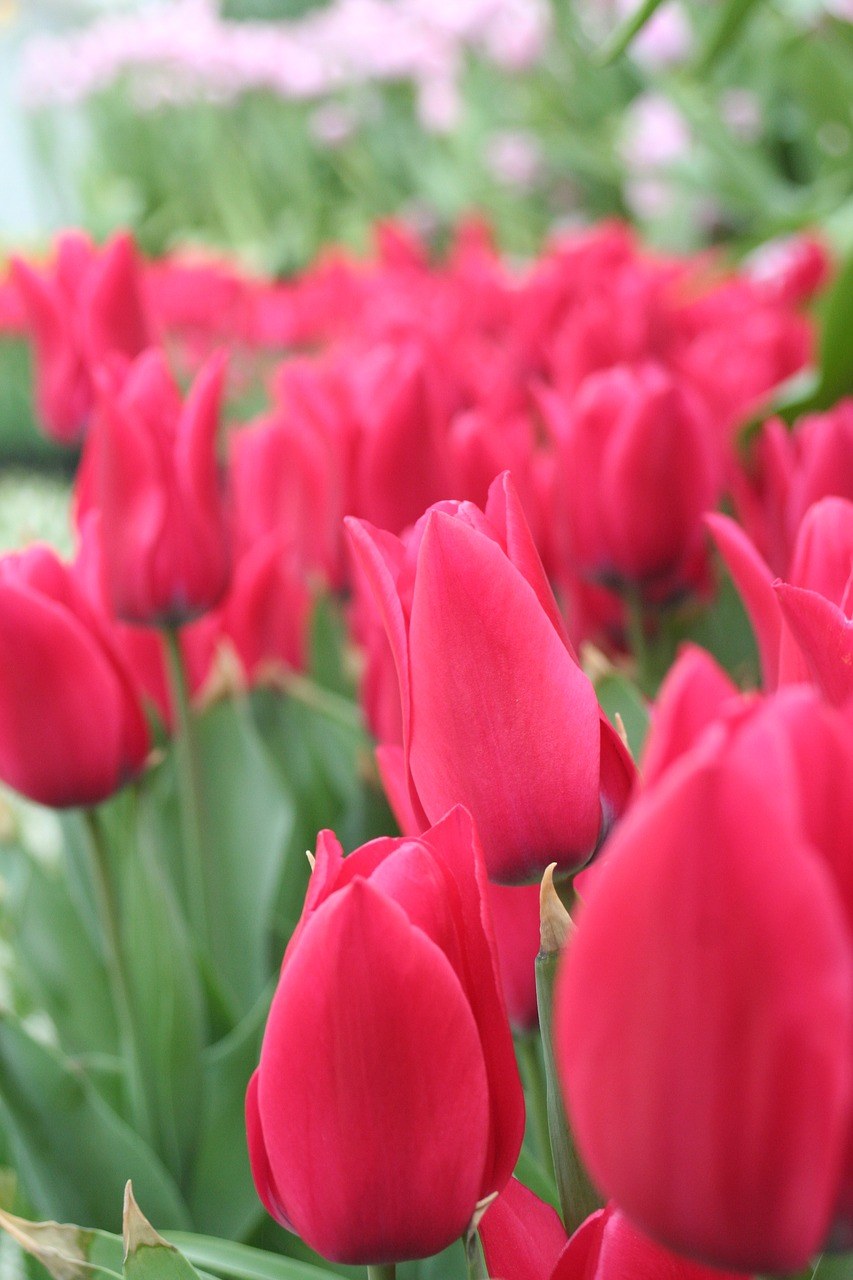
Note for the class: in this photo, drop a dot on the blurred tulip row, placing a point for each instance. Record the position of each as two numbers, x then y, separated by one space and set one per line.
524 600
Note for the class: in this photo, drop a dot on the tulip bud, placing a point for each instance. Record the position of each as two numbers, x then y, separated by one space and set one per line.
705 1009
72 729
87 309
387 1104
628 432
163 526
496 712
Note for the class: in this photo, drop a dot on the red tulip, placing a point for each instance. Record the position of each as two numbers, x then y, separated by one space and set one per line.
705 1008
628 432
387 1102
71 726
802 626
523 1239
790 470
86 309
156 480
285 477
496 712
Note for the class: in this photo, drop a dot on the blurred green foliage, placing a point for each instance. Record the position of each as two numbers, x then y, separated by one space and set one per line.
762 98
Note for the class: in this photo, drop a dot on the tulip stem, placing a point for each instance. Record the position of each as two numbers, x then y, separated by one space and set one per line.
578 1197
189 788
536 1085
388 1271
108 918
477 1269
635 618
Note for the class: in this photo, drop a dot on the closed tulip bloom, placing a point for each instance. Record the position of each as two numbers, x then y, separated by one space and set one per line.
705 1008
157 483
496 712
639 468
87 308
523 1239
71 726
387 1102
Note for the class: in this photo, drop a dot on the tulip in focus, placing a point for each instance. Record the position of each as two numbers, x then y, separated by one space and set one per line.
87 309
496 712
156 480
387 1103
704 1011
72 729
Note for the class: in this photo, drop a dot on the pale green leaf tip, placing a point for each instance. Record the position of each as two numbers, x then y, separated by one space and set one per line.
137 1231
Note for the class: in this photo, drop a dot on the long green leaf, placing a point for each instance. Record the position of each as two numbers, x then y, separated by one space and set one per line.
73 1153
72 1253
631 28
242 1262
247 815
221 1194
726 27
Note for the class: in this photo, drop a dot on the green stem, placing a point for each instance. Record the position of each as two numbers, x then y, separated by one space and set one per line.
108 917
477 1269
386 1271
635 617
189 787
578 1197
536 1087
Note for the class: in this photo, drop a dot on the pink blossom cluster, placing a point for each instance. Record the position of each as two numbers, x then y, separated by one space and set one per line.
185 51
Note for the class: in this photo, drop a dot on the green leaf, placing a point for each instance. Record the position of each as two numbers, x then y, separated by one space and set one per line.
73 1253
147 1256
241 1262
724 31
73 1153
57 968
167 1005
618 696
836 340
222 1195
67 1252
247 816
631 28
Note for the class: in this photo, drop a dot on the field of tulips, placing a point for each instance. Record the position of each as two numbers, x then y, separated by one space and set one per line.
519 563
426 710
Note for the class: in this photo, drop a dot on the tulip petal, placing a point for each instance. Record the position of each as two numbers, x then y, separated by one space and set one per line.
609 1247
455 845
505 512
370 1031
367 545
704 1023
503 719
824 636
522 1235
691 696
114 310
261 1172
